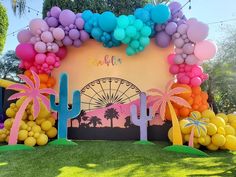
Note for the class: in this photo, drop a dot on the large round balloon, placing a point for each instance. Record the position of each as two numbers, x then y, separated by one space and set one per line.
62 52
205 50
160 14
67 17
58 33
25 52
24 36
197 31
162 39
37 26
107 21
55 11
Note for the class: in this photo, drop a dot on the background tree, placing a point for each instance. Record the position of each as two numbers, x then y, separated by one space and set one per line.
99 6
9 66
94 120
222 76
111 113
3 26
18 7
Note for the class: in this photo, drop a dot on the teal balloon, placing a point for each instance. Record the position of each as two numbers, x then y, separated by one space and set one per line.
135 44
146 31
131 19
144 41
119 34
137 36
96 33
130 51
123 21
126 40
160 14
107 21
138 24
131 31
87 14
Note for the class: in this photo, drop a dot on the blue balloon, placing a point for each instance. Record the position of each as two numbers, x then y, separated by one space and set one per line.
87 14
138 24
148 7
96 33
142 14
88 28
131 19
107 21
146 31
160 14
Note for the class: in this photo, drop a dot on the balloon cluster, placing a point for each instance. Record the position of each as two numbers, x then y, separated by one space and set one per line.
101 27
192 75
133 32
166 31
217 131
150 15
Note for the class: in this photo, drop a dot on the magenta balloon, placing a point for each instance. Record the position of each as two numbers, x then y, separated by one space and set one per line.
67 41
191 60
178 59
84 36
74 34
50 60
67 17
55 12
188 48
184 80
162 39
79 22
25 52
62 52
40 58
197 70
52 22
179 42
174 69
47 37
24 36
37 25
197 31
196 81
171 28
58 33
182 29
40 47
170 59
205 50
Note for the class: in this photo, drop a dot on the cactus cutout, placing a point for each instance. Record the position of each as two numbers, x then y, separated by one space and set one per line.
64 113
144 118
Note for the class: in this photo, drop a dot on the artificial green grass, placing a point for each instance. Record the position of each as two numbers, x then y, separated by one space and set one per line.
185 150
62 141
114 159
16 147
144 142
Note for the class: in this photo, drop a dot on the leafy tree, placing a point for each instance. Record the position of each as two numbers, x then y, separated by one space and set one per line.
9 66
222 76
94 120
3 26
111 113
18 6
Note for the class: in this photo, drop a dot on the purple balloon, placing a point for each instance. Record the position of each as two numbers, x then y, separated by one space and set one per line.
188 48
40 47
58 33
179 42
79 22
182 29
74 34
24 36
191 21
174 6
84 36
171 28
67 17
55 48
55 11
77 43
67 41
191 60
197 31
52 22
178 59
162 39
38 25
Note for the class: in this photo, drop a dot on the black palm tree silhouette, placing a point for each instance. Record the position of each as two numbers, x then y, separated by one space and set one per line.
111 113
94 120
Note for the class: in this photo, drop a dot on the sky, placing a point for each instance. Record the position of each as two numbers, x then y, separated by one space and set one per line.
207 11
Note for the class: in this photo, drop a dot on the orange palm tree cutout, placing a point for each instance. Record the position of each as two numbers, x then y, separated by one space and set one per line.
162 99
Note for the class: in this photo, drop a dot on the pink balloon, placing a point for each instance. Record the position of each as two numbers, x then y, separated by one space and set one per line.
40 47
24 36
205 50
58 34
25 52
184 80
38 25
170 59
174 69
47 37
40 58
197 31
50 60
62 52
197 70
55 48
196 81
191 60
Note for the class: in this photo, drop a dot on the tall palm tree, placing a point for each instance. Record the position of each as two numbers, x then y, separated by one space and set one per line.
95 121
111 113
162 99
18 6
32 93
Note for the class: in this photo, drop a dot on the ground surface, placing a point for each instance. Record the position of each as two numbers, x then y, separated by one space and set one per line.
113 158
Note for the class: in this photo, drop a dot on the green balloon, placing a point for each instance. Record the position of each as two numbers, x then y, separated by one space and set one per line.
131 31
123 21
138 24
126 40
119 34
130 51
144 41
146 31
134 44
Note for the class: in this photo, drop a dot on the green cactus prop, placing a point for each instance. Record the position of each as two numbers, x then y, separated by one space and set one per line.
64 113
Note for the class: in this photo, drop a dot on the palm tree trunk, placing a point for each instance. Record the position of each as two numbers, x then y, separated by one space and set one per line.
16 124
190 143
111 123
177 136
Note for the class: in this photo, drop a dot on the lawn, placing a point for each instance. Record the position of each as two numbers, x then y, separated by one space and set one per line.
113 158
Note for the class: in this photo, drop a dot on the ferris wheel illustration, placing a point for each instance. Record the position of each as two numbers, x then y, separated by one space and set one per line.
107 91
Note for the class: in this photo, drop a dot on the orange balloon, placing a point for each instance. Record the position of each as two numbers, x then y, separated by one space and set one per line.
195 106
43 78
28 73
202 108
197 99
184 112
204 95
52 81
42 85
190 100
196 90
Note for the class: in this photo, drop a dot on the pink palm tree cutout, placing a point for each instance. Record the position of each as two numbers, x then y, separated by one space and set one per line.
32 93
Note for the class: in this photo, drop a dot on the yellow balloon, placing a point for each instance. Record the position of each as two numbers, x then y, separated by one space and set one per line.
31 133
52 120
233 124
52 132
201 140
36 135
208 114
36 128
224 116
221 130
218 140
211 129
8 123
186 137
42 140
31 123
207 140
229 130
218 121
46 125
10 112
170 134
30 141
31 117
22 135
230 143
24 117
13 105
201 133
183 123
195 115
212 147
231 117
39 121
